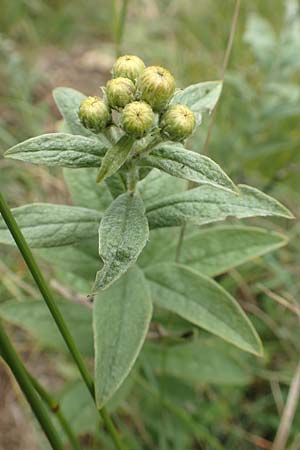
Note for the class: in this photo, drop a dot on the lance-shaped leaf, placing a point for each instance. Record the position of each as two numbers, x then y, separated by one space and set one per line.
59 149
202 302
200 97
215 362
49 225
68 101
207 204
176 160
121 316
216 250
123 233
115 157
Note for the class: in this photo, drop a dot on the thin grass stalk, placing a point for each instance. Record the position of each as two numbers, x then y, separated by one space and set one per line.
15 364
56 314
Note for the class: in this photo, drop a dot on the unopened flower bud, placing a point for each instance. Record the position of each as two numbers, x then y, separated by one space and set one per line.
137 119
178 122
119 92
128 66
156 86
94 113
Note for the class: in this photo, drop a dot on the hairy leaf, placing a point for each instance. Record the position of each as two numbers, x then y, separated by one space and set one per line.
34 317
49 225
157 185
200 97
59 149
216 250
176 160
85 191
123 233
68 101
207 204
204 361
203 302
121 315
115 157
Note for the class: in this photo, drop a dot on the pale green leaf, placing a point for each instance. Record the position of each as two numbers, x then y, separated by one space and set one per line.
68 101
59 149
216 250
200 97
85 191
203 302
115 157
175 159
204 361
34 317
49 225
121 315
157 185
207 204
123 233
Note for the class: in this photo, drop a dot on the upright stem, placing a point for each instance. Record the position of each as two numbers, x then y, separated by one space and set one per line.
213 114
119 19
223 70
54 407
55 312
14 362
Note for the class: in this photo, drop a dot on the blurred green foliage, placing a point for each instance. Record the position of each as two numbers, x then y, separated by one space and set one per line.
255 138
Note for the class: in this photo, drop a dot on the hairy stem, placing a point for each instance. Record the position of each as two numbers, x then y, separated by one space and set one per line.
15 364
55 312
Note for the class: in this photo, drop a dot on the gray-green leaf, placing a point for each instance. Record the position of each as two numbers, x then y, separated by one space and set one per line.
123 233
207 204
200 97
84 191
216 250
115 157
49 225
121 315
68 101
176 160
203 302
59 149
34 317
204 361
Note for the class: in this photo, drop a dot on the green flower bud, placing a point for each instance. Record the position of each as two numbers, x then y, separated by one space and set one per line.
156 86
128 66
178 122
137 119
94 113
119 92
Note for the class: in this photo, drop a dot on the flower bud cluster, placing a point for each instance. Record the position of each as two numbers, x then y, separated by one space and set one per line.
137 99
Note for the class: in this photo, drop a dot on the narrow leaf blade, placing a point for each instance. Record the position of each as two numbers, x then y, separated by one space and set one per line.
121 315
207 204
49 225
115 157
177 161
203 302
216 250
59 149
123 233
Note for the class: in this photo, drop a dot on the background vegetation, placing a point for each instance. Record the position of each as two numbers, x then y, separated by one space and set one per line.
255 137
